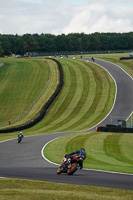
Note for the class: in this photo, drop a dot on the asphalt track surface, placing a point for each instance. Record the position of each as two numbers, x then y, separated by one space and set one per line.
123 106
25 161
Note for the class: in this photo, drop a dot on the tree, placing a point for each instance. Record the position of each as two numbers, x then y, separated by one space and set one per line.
1 51
5 44
72 42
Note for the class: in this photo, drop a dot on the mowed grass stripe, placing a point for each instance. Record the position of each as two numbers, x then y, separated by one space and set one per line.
47 93
114 150
87 96
14 93
101 80
57 110
93 94
72 109
99 107
104 98
97 155
108 158
4 83
77 92
127 152
5 73
83 101
66 106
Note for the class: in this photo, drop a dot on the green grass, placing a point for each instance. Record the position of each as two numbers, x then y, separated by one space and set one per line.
130 120
24 88
105 151
37 190
86 98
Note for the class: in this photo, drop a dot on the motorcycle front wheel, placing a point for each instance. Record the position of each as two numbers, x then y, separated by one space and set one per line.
59 170
72 169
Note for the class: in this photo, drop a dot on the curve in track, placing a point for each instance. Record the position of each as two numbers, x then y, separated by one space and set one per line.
123 105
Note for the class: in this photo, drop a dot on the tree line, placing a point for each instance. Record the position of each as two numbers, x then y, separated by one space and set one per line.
20 44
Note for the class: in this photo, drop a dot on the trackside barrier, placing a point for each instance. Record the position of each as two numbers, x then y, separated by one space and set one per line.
126 58
45 107
96 128
115 129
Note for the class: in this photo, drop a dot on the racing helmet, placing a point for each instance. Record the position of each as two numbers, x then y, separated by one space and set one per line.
82 149
64 159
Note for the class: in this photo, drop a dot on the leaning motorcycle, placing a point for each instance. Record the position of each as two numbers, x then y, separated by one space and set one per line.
19 139
69 165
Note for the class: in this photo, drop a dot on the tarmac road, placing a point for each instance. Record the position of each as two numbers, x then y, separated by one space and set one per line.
25 161
123 106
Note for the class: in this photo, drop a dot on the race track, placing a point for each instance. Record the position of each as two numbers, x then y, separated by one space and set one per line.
24 160
123 106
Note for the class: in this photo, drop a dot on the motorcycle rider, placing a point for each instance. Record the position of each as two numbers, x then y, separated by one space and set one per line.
20 135
92 59
80 152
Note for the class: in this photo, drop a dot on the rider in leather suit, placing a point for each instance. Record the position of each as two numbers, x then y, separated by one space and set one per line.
80 152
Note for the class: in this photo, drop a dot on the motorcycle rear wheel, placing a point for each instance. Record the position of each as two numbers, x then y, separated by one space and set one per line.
19 140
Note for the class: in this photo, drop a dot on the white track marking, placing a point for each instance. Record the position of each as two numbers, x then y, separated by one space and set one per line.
43 150
117 66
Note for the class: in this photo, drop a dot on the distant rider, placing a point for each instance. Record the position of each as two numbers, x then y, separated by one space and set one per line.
20 135
92 59
80 152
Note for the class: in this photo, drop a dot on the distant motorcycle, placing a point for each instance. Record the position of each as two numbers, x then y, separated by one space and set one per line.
93 59
70 165
20 139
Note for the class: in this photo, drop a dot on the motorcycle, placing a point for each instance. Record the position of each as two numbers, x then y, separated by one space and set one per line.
70 165
20 139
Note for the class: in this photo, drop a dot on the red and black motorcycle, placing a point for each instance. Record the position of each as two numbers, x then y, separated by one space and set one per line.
70 165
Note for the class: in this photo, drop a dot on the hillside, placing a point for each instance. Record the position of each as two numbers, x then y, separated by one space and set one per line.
25 86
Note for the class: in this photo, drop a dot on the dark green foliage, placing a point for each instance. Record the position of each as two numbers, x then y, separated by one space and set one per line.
65 43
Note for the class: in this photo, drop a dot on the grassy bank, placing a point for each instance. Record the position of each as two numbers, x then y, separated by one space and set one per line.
86 98
25 88
37 190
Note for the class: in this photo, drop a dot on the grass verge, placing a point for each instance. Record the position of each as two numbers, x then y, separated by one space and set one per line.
37 190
